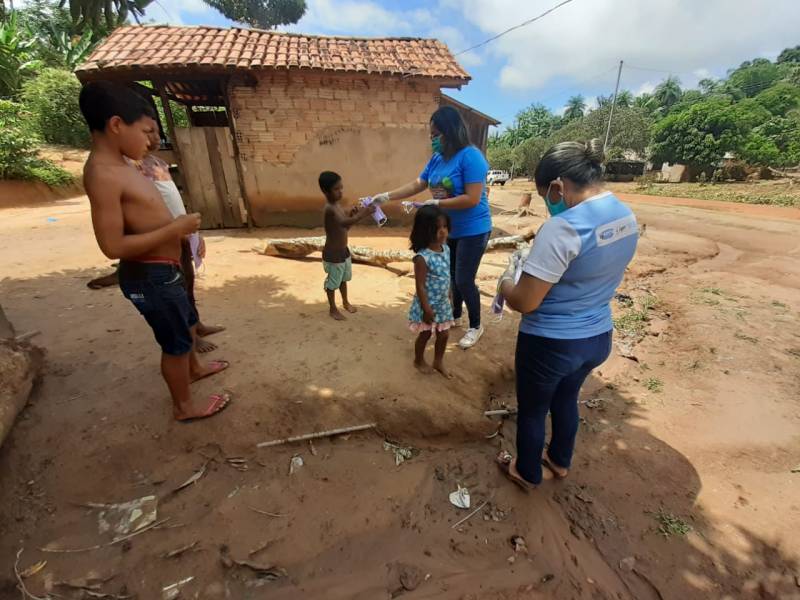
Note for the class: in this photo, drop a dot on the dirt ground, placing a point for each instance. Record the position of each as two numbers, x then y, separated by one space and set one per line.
682 485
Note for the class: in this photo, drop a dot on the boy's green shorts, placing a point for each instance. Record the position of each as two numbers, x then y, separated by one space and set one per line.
338 273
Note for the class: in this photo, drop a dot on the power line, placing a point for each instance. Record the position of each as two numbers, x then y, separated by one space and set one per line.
515 27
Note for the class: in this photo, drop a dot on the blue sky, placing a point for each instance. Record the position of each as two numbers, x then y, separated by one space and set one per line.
573 50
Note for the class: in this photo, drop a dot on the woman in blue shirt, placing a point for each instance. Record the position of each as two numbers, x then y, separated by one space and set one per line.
456 177
571 274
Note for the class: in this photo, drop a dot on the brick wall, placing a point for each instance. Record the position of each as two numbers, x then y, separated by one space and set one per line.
287 110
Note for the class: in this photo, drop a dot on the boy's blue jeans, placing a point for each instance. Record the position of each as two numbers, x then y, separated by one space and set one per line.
550 374
465 258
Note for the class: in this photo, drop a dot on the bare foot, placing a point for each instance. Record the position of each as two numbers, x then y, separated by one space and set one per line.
212 368
202 346
204 330
350 308
217 403
335 314
423 367
440 367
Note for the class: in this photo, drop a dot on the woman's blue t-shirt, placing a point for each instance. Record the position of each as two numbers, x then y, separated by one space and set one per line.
447 178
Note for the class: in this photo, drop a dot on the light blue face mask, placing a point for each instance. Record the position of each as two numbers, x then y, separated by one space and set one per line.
555 208
436 144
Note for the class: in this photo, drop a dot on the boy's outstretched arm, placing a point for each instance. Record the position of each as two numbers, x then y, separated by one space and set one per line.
109 227
356 216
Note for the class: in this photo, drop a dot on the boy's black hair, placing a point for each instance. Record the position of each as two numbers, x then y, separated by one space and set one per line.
101 100
328 179
426 224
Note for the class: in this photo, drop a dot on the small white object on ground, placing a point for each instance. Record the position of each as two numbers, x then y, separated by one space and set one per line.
295 463
460 498
170 592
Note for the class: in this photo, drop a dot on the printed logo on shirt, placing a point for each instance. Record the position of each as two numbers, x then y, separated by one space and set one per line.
616 230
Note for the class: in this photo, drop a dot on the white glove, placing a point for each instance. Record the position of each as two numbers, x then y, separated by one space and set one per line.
431 202
380 198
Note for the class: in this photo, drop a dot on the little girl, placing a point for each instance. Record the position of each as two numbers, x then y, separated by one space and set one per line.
431 309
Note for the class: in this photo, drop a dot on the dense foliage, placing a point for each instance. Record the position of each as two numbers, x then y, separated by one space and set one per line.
753 114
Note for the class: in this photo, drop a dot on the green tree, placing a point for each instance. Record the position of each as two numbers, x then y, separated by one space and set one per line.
500 157
257 13
752 77
576 106
625 98
52 99
780 98
17 55
789 55
668 93
701 135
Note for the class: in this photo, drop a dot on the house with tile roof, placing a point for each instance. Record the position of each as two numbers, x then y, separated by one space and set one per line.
269 111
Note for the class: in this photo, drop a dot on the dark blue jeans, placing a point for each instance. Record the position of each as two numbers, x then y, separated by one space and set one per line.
550 374
465 258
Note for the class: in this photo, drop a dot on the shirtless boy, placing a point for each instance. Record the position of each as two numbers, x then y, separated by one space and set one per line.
157 171
132 224
336 255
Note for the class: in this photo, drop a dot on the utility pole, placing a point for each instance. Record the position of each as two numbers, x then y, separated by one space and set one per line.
613 104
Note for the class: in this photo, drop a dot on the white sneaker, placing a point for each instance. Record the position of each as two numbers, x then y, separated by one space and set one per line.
471 337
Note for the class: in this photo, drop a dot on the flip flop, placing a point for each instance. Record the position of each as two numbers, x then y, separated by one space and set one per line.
552 467
219 402
503 462
217 366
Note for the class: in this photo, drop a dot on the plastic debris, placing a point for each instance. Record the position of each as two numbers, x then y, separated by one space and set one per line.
172 591
33 569
628 563
401 453
518 543
126 517
295 463
460 498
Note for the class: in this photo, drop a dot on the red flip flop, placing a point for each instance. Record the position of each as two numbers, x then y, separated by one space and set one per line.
217 366
219 402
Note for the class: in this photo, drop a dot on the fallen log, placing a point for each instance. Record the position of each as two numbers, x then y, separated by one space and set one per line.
303 246
20 364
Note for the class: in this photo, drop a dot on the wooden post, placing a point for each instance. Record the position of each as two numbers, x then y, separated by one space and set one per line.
236 157
162 93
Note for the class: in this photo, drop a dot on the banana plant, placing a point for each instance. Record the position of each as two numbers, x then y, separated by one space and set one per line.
17 51
71 50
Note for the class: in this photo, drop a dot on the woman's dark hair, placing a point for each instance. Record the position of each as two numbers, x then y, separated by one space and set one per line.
581 163
454 132
426 224
328 179
101 100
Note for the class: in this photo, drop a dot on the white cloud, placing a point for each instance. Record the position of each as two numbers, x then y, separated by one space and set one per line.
359 17
648 87
456 41
583 39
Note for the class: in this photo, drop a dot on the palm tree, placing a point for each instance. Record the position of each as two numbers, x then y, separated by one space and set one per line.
258 13
576 106
625 99
668 92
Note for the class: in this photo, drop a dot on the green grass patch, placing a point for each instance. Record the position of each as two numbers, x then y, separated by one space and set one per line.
633 322
654 384
669 524
741 193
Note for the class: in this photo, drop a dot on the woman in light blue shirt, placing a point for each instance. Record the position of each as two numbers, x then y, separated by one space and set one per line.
456 177
571 274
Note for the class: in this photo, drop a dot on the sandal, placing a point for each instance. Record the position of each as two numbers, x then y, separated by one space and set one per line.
219 402
558 472
503 461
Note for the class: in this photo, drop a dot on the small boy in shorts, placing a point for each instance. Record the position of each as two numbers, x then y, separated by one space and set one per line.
336 255
132 224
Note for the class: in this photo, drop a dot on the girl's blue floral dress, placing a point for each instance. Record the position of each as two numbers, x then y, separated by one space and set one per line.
437 285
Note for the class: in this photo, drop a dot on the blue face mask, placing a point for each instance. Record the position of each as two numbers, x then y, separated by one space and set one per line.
554 208
436 144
